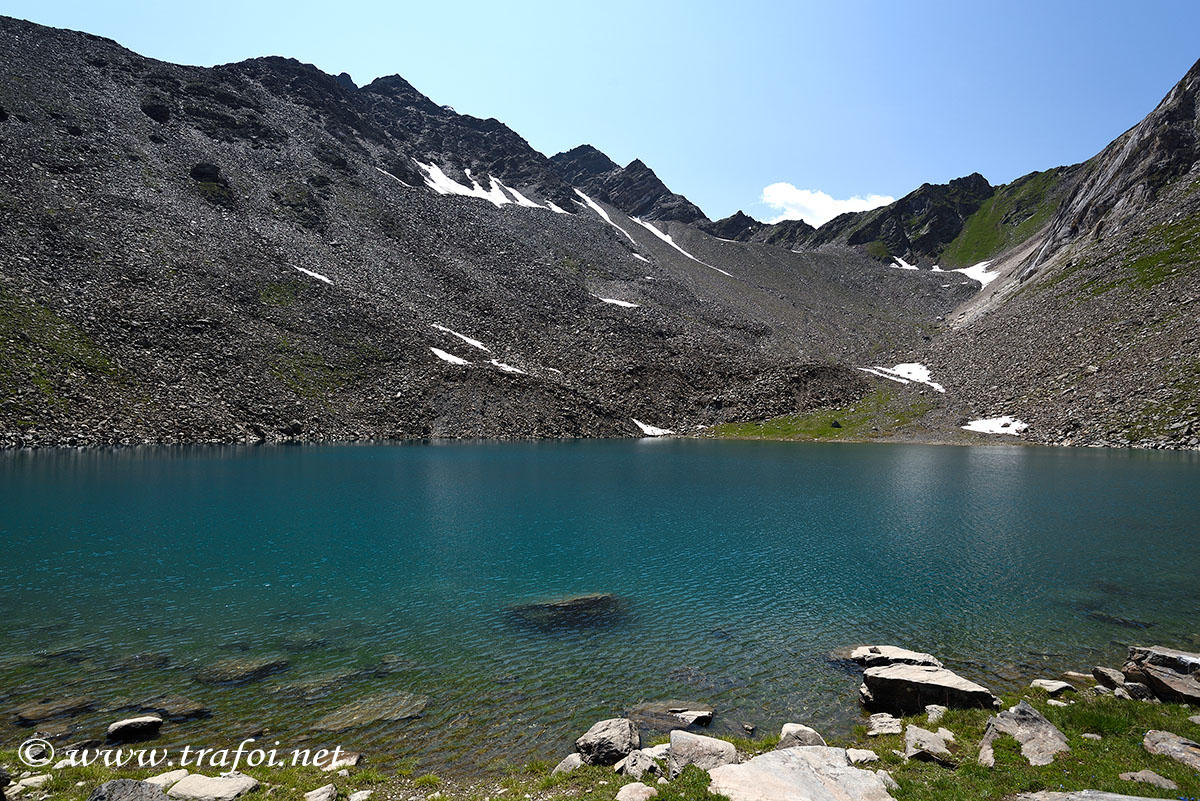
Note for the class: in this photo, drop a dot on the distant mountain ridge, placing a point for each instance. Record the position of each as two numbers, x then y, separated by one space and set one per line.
264 251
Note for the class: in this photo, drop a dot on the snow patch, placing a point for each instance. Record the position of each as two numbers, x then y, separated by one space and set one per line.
317 276
443 184
622 303
508 368
908 372
651 431
997 425
475 343
394 178
978 272
667 238
555 208
640 257
591 204
901 264
448 357
520 199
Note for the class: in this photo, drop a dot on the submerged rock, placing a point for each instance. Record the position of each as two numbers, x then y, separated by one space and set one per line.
910 688
380 707
241 671
666 716
175 708
797 773
578 611
1039 738
49 709
608 742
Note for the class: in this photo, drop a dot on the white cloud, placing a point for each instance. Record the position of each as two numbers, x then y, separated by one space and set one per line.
814 206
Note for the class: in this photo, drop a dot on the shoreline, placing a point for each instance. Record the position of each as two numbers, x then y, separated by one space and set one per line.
1095 726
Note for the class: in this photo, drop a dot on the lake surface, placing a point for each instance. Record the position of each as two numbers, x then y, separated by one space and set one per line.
745 567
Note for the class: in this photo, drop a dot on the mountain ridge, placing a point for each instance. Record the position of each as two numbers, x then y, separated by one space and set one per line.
264 251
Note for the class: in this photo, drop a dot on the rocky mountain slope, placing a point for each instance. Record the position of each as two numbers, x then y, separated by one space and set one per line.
260 250
263 251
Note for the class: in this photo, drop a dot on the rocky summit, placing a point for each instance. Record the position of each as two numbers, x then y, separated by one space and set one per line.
261 251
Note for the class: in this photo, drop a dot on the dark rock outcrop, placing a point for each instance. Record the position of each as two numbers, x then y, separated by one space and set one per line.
634 189
593 609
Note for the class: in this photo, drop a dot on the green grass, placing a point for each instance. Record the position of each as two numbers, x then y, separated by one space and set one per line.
41 349
882 409
308 375
279 293
1166 249
878 250
1091 764
1013 214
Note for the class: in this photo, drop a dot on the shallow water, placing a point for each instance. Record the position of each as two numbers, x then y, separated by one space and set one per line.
745 565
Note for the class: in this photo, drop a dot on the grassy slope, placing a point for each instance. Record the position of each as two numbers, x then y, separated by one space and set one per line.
879 414
1090 764
1016 212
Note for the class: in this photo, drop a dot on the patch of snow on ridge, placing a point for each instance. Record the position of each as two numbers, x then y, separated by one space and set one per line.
901 264
594 206
622 303
667 238
520 199
443 184
914 372
640 257
507 368
555 208
651 431
978 272
448 357
394 178
997 425
317 276
475 343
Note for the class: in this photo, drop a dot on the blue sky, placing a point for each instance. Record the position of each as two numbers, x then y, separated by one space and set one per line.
722 99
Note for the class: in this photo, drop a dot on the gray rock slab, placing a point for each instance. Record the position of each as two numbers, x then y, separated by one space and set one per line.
928 746
1180 749
876 655
797 734
1039 738
705 753
1052 686
910 688
884 723
196 787
608 741
1151 778
813 773
127 790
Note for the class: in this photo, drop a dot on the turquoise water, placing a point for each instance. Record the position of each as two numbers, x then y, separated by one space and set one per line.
745 565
